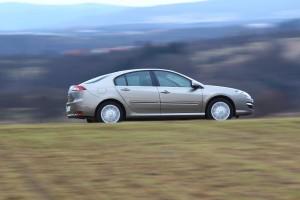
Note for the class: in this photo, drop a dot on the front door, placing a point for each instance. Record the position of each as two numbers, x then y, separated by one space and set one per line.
177 95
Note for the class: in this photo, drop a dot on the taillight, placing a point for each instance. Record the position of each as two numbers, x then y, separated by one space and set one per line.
78 88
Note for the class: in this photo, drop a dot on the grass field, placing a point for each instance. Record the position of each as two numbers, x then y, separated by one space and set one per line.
180 160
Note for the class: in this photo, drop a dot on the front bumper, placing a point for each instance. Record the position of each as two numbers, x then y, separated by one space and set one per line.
246 108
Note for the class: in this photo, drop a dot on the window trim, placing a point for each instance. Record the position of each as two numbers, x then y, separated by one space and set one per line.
157 81
125 76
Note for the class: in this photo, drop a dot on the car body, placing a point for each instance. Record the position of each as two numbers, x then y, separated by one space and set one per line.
153 93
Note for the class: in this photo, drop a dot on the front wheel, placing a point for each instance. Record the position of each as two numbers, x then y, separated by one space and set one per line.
219 109
110 113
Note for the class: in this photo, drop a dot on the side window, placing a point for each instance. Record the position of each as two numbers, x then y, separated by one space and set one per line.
169 79
139 79
120 81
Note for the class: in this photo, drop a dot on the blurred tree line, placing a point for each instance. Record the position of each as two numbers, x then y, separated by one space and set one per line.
34 88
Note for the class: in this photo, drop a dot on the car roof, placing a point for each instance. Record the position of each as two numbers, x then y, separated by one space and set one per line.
141 69
119 73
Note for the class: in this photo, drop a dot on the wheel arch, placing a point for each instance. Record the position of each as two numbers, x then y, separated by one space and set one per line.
221 97
110 100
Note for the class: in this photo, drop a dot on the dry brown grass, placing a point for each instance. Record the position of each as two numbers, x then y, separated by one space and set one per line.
235 160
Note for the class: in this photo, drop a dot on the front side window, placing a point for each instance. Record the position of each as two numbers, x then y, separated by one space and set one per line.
169 79
139 79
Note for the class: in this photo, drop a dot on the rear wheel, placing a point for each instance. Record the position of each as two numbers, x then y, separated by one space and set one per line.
219 109
110 112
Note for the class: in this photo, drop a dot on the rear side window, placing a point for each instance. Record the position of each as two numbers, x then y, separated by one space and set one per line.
120 81
134 79
139 79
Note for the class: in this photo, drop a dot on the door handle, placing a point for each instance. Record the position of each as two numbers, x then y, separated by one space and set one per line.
125 89
166 92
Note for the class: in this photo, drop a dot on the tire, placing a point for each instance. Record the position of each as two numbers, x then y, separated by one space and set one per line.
110 112
225 107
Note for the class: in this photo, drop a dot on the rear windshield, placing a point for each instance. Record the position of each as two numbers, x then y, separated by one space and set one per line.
95 80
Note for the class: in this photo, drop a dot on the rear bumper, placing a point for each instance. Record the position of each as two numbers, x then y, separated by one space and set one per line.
75 110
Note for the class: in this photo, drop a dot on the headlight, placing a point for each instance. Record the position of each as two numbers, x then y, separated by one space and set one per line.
244 94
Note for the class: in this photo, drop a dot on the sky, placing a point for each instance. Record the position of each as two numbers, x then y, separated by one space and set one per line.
114 2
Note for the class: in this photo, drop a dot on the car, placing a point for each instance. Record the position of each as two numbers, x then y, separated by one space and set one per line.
140 93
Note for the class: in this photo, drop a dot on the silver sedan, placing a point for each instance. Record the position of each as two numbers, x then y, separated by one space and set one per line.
140 93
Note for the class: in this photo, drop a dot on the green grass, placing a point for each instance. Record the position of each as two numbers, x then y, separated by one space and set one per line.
198 159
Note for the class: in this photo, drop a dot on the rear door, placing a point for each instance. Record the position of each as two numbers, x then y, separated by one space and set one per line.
177 95
139 92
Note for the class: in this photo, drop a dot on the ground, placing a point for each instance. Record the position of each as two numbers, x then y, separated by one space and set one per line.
169 160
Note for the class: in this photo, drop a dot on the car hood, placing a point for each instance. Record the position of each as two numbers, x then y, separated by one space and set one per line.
220 89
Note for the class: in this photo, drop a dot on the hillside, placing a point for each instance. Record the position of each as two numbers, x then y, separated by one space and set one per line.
249 159
20 17
266 65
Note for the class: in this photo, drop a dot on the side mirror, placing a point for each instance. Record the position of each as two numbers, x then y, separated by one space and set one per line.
196 85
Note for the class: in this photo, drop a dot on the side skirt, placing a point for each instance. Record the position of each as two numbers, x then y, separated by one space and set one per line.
166 115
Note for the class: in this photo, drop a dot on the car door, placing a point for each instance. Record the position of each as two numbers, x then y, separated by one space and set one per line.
177 95
138 91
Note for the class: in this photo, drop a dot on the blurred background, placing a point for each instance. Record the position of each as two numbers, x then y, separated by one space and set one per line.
251 45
